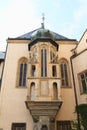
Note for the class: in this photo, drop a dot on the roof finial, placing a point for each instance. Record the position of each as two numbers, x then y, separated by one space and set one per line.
43 18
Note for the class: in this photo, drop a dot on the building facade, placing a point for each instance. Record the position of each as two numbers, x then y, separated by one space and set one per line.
37 90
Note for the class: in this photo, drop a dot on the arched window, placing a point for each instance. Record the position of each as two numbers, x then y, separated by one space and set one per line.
22 72
32 91
44 127
33 70
54 73
55 91
64 73
43 63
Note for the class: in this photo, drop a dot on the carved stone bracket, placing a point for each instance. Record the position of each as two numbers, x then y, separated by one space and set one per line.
52 119
35 118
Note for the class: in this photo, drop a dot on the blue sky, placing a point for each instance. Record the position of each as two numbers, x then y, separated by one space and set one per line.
66 17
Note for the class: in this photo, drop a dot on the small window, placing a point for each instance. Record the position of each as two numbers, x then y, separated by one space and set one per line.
54 71
18 126
83 80
32 91
44 127
55 91
63 125
33 70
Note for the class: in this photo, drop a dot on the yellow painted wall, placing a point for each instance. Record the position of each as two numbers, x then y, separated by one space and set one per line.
12 107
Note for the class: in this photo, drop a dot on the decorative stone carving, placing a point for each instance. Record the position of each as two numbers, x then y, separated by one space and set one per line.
54 59
29 57
35 118
52 119
33 58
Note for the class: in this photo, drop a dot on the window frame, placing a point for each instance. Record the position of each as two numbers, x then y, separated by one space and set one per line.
33 70
18 126
64 62
63 124
43 62
55 91
21 69
54 71
80 82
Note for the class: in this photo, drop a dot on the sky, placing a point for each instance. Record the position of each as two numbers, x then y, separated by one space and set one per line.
65 17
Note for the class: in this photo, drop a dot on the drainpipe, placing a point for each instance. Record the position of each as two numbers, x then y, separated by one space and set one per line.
76 100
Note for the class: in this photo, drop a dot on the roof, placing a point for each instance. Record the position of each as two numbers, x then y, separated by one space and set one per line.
2 56
43 34
29 34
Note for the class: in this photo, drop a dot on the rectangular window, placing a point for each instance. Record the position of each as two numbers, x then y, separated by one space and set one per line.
63 125
83 81
18 126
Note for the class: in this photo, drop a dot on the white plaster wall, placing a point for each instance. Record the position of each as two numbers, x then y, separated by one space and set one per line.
12 108
79 65
83 43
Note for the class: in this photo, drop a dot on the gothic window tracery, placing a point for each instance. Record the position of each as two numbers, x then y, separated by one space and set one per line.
22 72
64 69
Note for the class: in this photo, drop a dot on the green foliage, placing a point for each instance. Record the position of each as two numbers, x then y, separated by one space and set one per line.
74 125
84 92
82 109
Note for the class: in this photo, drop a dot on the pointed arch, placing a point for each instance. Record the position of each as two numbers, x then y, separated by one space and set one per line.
64 70
33 71
54 71
55 91
32 91
22 72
